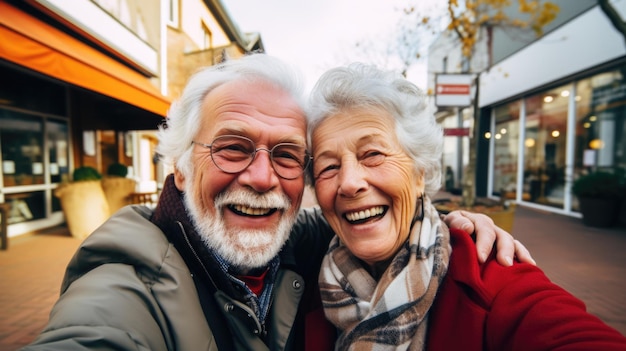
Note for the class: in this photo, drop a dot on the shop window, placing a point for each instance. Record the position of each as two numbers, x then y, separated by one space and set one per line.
109 149
600 141
506 150
545 146
25 206
58 150
456 149
56 204
21 140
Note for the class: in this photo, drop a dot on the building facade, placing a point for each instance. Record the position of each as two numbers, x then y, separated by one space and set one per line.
549 110
87 82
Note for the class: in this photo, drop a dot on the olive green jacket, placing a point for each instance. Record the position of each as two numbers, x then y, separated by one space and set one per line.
129 288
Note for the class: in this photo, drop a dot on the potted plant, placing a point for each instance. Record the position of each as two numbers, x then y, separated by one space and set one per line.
117 188
599 195
86 173
83 202
117 170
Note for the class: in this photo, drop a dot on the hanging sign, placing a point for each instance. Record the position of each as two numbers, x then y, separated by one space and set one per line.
456 131
454 90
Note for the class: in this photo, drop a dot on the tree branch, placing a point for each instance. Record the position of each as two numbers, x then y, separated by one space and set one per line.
614 17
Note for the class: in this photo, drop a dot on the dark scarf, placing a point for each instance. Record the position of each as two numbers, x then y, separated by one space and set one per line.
170 216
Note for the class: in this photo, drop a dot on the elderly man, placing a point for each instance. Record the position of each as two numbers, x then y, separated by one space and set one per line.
226 261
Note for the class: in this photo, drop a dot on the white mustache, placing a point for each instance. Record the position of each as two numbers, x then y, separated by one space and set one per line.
251 199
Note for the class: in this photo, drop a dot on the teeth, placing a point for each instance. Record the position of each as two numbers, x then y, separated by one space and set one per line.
251 210
360 215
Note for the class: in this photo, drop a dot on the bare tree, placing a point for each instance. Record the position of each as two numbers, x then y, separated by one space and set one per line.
467 19
402 46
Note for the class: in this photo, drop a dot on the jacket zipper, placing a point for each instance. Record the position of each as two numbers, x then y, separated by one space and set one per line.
195 255
263 331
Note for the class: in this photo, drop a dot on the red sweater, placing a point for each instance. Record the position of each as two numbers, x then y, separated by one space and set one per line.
492 307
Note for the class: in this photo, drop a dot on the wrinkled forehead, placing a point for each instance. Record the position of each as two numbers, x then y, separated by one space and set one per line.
249 108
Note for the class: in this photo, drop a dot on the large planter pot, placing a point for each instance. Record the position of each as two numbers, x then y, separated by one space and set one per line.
84 205
117 191
599 212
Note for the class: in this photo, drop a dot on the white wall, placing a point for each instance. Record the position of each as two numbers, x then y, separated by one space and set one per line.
100 24
580 44
193 14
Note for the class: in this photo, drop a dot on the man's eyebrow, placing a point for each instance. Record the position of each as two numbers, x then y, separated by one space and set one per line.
230 130
291 139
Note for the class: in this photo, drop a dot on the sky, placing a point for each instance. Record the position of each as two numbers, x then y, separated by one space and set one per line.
317 35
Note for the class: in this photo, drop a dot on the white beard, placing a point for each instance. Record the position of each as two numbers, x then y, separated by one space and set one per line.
261 246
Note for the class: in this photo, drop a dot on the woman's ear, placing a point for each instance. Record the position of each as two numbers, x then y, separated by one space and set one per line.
179 180
419 181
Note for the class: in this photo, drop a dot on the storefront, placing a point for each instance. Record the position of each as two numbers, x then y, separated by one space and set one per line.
48 127
544 140
64 102
35 145
549 112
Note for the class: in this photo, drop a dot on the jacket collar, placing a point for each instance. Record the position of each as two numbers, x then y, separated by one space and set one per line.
172 218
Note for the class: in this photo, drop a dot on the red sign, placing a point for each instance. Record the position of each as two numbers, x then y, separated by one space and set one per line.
453 89
456 131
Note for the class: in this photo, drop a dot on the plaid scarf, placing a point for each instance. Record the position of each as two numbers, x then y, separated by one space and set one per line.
389 314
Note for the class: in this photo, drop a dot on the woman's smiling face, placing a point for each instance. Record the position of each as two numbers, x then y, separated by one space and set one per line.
365 182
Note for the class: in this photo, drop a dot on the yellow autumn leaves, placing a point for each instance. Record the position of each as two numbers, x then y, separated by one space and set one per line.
467 18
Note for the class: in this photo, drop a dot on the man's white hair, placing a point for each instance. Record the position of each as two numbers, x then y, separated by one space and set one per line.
184 116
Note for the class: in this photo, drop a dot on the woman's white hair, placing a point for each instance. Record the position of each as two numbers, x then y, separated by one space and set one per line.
184 116
362 86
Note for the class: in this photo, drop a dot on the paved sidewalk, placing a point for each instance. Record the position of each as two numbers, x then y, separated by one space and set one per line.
31 271
588 262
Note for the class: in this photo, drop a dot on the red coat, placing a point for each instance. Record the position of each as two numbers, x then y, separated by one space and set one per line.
492 307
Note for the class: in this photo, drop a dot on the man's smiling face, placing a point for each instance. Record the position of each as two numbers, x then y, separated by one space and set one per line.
246 217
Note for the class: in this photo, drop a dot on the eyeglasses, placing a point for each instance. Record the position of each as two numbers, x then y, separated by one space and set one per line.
233 154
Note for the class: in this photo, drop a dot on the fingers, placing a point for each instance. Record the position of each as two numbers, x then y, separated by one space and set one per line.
522 254
505 247
486 234
455 219
482 226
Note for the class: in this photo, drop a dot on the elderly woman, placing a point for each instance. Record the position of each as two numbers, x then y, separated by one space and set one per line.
394 276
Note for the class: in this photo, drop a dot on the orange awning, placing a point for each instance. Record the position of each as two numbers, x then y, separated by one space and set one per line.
29 42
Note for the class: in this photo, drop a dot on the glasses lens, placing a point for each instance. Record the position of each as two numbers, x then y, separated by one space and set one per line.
289 160
231 153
